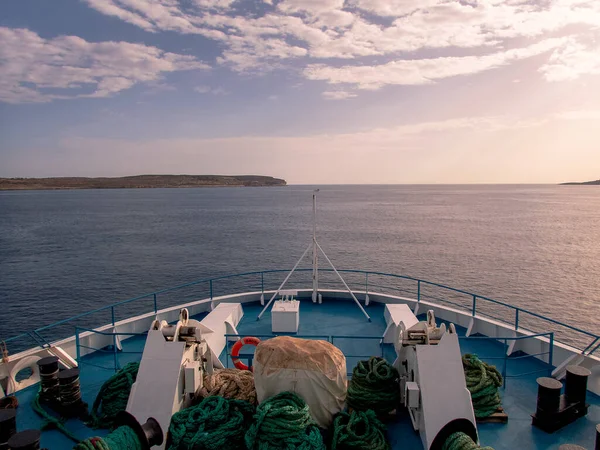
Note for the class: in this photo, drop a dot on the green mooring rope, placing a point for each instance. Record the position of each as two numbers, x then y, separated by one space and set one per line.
358 430
123 438
483 382
374 385
49 421
216 423
283 422
113 396
462 441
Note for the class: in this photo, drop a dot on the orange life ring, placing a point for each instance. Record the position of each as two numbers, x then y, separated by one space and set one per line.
235 351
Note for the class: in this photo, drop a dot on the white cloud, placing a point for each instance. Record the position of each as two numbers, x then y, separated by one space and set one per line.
338 95
31 66
203 89
422 71
572 61
583 114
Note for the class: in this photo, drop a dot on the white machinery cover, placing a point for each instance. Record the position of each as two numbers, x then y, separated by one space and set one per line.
315 370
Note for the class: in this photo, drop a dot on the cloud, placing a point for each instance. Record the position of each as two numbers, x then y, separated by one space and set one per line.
34 69
203 89
338 95
423 71
571 62
583 114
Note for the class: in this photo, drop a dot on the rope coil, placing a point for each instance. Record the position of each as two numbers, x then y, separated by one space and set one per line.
123 438
283 422
357 431
214 424
483 381
462 441
230 383
113 395
374 385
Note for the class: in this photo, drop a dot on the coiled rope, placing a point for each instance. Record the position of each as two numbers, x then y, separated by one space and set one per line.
9 402
374 385
283 422
123 438
214 424
462 441
483 381
358 430
113 395
49 421
230 383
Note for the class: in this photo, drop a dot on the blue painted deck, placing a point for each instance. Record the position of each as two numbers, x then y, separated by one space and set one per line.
333 318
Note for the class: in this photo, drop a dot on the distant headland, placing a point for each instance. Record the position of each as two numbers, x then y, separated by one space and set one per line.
139 182
574 183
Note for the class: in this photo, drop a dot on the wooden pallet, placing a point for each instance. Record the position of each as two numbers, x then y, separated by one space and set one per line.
498 417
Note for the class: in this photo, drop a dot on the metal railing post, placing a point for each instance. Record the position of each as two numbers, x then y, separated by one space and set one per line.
419 291
474 305
516 318
116 360
262 283
366 283
112 314
211 289
77 349
504 368
155 304
551 352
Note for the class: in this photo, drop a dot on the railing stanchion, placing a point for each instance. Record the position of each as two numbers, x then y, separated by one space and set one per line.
516 319
155 304
211 289
112 315
115 352
505 362
77 350
419 291
262 283
474 305
367 283
551 353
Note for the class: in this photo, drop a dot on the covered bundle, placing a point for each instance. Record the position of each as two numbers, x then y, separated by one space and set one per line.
315 370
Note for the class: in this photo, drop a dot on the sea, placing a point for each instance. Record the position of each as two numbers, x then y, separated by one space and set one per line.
63 253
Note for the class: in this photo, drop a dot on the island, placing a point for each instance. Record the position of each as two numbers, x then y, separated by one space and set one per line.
139 182
583 183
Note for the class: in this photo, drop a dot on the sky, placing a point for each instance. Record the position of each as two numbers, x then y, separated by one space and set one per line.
312 91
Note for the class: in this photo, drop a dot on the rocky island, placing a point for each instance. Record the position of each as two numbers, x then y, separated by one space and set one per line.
584 183
139 182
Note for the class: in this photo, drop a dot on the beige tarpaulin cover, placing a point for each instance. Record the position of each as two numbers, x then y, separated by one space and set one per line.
315 370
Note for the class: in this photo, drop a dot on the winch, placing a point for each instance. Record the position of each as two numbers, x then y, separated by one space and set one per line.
437 407
174 361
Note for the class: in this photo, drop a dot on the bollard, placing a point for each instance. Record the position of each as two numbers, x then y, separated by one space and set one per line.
576 384
8 426
25 440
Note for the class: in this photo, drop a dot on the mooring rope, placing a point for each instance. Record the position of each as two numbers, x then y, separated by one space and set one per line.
374 385
49 421
113 395
357 431
230 383
284 422
462 441
483 381
216 423
123 438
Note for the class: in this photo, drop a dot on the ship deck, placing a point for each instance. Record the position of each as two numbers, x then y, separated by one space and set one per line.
337 318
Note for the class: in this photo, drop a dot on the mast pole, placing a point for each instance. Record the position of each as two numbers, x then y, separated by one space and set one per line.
315 272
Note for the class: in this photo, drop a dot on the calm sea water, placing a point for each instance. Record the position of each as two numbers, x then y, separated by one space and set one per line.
66 252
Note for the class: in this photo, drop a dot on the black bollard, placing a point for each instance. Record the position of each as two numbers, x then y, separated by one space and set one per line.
49 378
8 426
576 384
149 434
25 440
69 388
548 400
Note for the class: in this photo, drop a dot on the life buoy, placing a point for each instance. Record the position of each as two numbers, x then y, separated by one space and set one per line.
235 351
